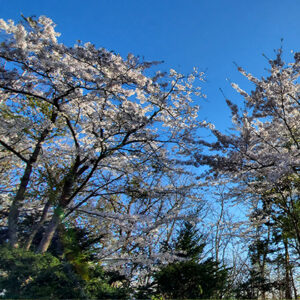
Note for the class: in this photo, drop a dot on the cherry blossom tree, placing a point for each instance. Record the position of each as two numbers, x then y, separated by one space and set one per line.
80 127
261 156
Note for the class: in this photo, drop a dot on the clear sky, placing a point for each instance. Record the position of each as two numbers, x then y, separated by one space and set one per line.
208 34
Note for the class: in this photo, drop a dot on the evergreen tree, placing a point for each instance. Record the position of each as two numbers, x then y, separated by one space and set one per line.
189 277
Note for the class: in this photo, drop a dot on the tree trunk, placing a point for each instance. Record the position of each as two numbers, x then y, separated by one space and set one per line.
288 291
50 231
14 209
38 225
20 195
59 211
293 284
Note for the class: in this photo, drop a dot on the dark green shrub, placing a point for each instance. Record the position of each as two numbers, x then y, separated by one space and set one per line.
25 274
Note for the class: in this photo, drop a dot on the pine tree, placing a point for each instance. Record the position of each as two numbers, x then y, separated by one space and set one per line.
190 277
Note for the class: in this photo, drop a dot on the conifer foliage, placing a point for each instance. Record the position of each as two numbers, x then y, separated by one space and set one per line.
191 277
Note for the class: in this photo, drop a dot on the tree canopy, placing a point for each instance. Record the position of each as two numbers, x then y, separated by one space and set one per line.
87 134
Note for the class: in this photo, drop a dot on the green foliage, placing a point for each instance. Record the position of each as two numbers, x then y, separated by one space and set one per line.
104 285
25 274
190 278
188 244
78 251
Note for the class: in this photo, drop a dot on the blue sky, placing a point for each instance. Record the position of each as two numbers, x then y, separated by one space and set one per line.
208 34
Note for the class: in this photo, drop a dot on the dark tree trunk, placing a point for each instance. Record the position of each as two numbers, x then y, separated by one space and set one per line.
288 290
59 211
20 195
38 225
50 231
